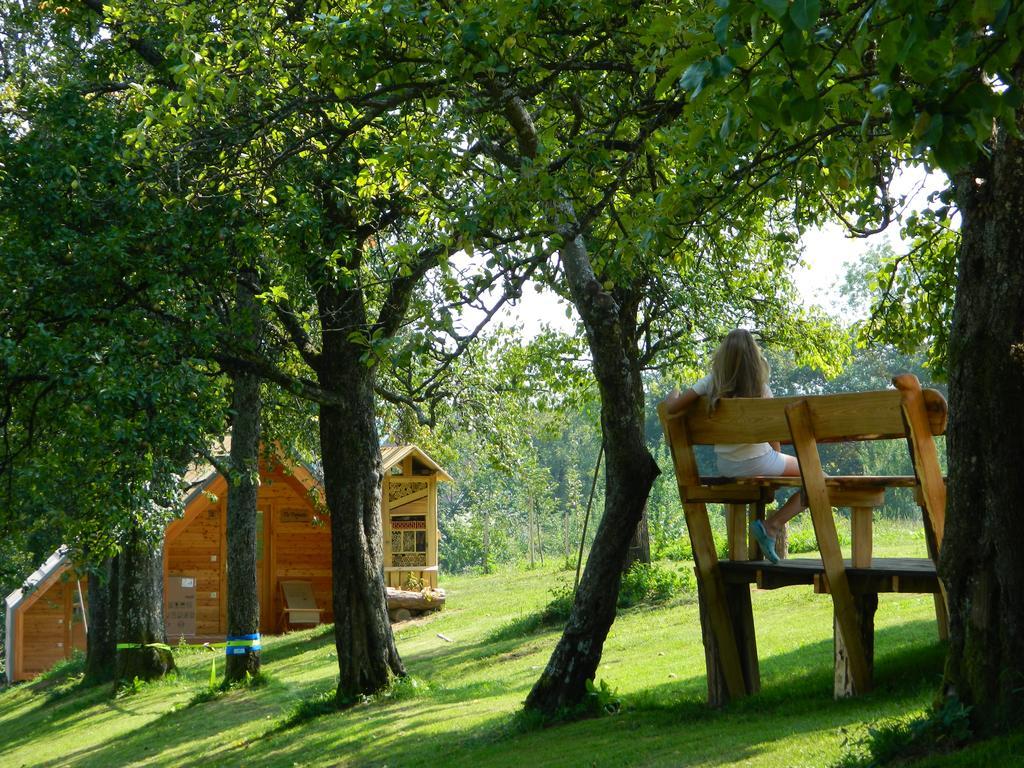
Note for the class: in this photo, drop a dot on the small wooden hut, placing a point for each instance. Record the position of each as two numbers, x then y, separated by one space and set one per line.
46 618
409 508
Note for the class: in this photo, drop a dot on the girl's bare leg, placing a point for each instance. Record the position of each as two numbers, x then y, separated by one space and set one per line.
793 506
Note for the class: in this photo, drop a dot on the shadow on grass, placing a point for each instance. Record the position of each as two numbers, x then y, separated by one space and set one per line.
796 698
650 723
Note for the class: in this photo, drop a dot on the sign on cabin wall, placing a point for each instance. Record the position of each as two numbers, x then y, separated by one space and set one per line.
181 607
297 516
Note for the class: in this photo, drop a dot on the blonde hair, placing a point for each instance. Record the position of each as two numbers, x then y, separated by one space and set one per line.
738 369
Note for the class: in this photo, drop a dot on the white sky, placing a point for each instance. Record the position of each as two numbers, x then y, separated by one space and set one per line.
826 251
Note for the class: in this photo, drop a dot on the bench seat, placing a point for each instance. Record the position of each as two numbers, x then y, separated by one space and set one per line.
843 490
838 481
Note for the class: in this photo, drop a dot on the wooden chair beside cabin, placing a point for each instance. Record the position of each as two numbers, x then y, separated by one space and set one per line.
907 413
299 605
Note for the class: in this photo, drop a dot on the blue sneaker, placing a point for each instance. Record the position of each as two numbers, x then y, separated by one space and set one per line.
766 542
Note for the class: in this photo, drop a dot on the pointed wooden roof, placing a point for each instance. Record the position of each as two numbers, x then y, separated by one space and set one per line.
392 455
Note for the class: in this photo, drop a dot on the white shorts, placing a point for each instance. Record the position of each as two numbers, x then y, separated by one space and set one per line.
772 464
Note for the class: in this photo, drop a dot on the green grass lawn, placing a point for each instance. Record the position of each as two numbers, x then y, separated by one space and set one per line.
463 710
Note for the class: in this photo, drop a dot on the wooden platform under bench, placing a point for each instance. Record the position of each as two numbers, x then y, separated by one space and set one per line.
885 574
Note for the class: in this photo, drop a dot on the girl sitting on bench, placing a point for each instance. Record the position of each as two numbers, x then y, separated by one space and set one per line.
739 369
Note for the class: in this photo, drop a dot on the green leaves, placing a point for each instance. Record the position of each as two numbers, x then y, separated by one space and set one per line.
693 78
804 13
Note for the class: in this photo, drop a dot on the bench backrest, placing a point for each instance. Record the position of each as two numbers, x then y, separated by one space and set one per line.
905 412
835 418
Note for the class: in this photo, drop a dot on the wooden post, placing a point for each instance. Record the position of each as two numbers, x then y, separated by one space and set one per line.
864 607
741 618
846 612
860 528
941 612
931 489
736 530
923 453
753 548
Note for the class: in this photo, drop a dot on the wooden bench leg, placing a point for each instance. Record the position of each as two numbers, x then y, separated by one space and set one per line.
753 548
864 607
741 617
941 612
860 529
736 530
720 647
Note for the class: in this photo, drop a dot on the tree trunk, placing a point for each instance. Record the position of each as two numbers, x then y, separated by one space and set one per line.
539 538
243 651
630 469
486 541
101 639
981 561
630 472
140 609
367 656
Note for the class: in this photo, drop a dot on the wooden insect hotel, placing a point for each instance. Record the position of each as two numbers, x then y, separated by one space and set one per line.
906 413
46 619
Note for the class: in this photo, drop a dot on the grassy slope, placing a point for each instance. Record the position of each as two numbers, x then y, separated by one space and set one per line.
464 711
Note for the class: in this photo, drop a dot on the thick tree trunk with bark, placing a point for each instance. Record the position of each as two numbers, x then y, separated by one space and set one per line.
630 472
367 656
981 563
140 609
243 486
101 639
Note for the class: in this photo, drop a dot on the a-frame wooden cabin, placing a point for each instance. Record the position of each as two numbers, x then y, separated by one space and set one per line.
45 618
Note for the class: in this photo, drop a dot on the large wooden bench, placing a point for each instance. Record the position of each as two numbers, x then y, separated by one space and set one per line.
907 413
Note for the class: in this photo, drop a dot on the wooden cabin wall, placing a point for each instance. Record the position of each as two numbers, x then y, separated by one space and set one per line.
195 549
299 547
49 626
291 543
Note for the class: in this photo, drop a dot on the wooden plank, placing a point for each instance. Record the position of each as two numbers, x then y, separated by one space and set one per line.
222 571
67 622
683 460
941 611
860 529
741 612
856 494
432 532
736 530
722 494
863 497
837 482
923 452
704 555
706 560
931 492
801 428
853 416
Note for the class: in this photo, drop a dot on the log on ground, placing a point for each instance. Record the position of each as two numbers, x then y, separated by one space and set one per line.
427 600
